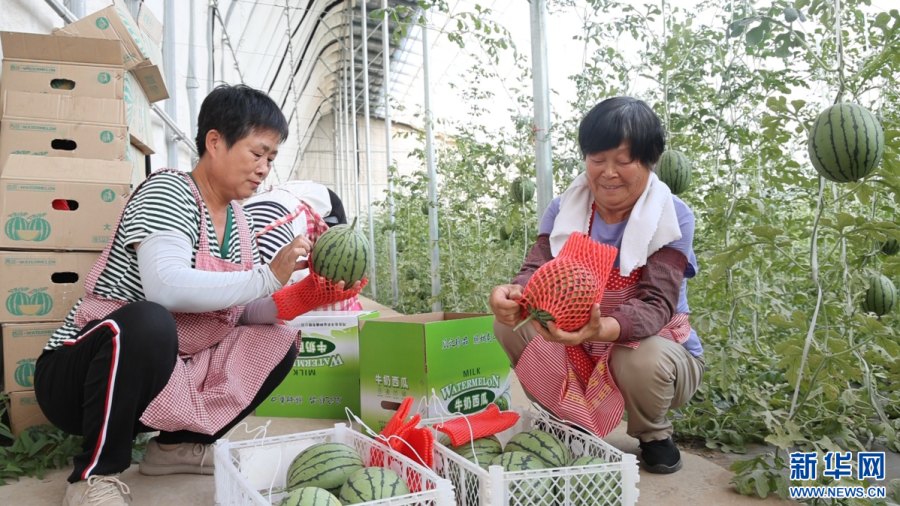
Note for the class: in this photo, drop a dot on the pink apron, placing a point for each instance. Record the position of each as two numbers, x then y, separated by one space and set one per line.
574 382
221 364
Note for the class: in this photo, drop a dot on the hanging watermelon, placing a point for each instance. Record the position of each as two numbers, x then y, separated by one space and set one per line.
881 296
890 247
674 169
521 190
846 143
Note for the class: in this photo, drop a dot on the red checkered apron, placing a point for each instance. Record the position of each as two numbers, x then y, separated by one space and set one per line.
221 365
315 227
574 382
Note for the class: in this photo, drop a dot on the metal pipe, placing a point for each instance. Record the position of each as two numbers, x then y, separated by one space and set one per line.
211 47
192 84
169 69
77 7
345 116
62 11
432 173
364 25
388 154
354 137
542 147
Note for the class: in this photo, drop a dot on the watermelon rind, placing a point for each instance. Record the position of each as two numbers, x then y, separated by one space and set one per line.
310 496
371 484
881 296
674 169
341 254
324 465
548 448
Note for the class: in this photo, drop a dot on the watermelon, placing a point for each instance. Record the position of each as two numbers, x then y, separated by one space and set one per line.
573 288
324 465
521 189
310 496
549 449
594 488
524 491
890 247
372 483
881 296
674 169
341 254
846 143
485 449
791 14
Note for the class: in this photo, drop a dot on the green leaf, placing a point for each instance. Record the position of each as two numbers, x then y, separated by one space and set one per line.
755 35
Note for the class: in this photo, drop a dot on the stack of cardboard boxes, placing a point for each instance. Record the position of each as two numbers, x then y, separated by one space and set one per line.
72 121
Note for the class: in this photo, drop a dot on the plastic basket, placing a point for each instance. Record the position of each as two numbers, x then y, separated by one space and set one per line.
612 483
254 471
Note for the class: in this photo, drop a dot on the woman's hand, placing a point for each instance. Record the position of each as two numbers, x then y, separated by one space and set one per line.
598 328
504 302
288 258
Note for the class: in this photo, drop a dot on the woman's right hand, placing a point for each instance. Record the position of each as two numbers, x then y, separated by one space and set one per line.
504 302
290 258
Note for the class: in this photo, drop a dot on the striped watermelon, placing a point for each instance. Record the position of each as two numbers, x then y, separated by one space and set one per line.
593 488
310 496
527 490
845 143
324 465
674 169
485 449
341 254
545 446
521 189
890 247
881 296
372 483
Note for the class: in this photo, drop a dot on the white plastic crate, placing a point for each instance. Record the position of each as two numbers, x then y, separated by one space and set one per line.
613 483
254 471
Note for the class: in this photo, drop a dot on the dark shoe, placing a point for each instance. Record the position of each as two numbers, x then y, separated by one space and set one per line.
660 457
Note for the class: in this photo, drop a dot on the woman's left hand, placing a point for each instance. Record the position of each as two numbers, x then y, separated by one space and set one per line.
598 328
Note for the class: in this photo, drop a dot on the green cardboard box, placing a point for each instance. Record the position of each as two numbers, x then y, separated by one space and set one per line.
325 377
448 362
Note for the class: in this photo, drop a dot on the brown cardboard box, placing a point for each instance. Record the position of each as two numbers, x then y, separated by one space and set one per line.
67 66
44 139
142 53
41 286
65 108
22 345
137 113
138 162
24 412
32 192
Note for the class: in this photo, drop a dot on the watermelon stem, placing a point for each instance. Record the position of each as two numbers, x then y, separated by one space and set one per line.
523 322
353 223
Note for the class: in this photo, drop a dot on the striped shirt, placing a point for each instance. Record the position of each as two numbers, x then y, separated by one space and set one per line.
265 212
163 202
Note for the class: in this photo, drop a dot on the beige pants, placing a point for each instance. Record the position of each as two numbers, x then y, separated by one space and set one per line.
653 378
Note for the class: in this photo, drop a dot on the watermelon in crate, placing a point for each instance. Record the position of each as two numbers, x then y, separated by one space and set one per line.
257 471
594 472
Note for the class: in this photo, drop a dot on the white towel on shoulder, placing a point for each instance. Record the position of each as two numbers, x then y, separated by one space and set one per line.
651 225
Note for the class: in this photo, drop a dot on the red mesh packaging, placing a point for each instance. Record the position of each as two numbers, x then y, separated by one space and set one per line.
564 289
467 428
311 292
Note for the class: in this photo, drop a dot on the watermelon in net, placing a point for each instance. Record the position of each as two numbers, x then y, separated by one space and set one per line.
564 289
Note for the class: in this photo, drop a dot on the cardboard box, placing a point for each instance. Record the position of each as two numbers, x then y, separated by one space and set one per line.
62 108
67 66
24 412
65 204
448 362
41 286
325 378
53 139
138 161
22 345
137 114
141 50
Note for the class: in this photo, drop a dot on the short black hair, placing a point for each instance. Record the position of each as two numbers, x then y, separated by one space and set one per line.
234 112
619 119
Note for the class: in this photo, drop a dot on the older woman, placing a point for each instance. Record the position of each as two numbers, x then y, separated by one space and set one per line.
638 350
177 331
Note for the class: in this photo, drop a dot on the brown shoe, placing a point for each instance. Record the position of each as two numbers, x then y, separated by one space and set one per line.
186 458
105 490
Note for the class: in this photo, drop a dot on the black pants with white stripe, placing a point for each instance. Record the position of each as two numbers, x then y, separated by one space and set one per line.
99 385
